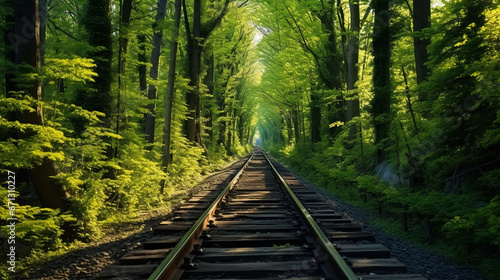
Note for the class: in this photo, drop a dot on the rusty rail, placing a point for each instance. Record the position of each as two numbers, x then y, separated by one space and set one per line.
169 268
328 253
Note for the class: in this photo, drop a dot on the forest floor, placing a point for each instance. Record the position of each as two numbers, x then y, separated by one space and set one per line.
88 261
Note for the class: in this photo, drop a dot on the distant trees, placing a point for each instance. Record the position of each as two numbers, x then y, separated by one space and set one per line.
228 74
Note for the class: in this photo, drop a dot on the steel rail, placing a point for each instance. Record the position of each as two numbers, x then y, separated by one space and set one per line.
168 267
333 258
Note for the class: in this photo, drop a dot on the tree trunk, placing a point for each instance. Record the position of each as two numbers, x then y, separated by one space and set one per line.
153 71
315 110
43 16
381 102
296 127
303 124
421 20
352 69
242 127
27 50
97 23
11 43
289 128
210 82
193 96
142 69
125 13
222 133
230 136
336 111
165 160
195 42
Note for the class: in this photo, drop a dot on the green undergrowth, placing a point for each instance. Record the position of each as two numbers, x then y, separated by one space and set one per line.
101 207
120 226
456 225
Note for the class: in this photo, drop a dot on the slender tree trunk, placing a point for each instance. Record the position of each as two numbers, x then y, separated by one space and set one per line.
289 128
142 73
222 105
296 127
231 126
343 34
303 123
381 102
43 16
242 127
153 71
222 133
125 13
142 69
97 23
229 143
193 96
165 160
210 82
11 42
26 44
421 20
410 107
336 112
315 110
352 68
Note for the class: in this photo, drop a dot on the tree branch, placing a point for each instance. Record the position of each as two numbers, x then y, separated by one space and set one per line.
217 21
365 16
243 4
276 100
186 21
303 42
60 29
409 8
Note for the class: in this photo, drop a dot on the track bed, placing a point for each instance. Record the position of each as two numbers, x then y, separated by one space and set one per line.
259 226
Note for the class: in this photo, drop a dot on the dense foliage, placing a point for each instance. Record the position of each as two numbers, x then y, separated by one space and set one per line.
82 109
113 106
424 154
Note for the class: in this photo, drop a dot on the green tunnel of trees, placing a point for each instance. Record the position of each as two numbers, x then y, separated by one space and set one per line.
112 107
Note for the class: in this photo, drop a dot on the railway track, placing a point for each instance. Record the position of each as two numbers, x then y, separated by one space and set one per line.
263 224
